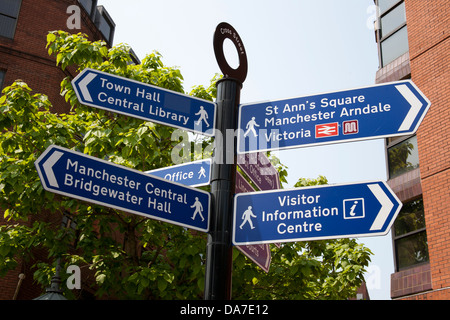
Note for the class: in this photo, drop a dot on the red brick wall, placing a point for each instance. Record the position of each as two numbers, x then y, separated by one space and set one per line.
25 57
410 281
429 44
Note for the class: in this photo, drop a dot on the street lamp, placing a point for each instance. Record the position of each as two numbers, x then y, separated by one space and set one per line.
54 292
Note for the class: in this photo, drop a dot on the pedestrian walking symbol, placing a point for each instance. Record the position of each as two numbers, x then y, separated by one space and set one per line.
246 216
251 127
201 173
203 116
198 209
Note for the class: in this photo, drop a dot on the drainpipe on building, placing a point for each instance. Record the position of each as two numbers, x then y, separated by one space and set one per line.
16 293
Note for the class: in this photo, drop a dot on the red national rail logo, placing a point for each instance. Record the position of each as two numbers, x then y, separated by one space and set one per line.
327 130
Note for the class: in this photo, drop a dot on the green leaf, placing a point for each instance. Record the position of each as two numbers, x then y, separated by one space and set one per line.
59 57
100 279
162 284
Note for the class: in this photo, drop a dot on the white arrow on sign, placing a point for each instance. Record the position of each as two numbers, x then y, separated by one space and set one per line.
83 86
386 206
415 106
48 168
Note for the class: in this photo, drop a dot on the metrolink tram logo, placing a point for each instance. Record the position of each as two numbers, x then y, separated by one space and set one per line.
350 127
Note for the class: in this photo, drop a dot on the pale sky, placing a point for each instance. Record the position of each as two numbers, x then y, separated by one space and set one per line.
294 48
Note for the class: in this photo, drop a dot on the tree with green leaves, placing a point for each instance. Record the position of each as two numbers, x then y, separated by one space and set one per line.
121 255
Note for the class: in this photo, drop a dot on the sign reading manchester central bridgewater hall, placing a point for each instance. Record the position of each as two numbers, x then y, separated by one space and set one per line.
77 175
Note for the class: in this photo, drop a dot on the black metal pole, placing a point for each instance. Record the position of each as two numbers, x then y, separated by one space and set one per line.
223 175
219 251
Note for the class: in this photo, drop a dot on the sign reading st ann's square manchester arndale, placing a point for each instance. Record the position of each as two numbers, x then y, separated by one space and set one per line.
378 111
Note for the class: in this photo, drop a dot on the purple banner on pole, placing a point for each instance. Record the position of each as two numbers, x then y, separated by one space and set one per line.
259 169
260 253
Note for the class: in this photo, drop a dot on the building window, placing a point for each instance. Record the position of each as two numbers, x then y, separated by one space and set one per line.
403 157
394 33
89 6
2 78
105 24
410 237
9 12
393 19
385 5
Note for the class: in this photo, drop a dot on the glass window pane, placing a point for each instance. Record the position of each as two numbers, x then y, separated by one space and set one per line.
10 7
87 4
403 157
104 27
2 78
410 218
7 26
411 250
386 5
393 19
394 46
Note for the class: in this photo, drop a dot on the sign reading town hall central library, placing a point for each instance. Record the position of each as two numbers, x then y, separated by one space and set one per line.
140 100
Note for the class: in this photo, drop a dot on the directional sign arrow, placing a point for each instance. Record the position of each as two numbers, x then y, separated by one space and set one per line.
379 111
312 213
140 100
83 177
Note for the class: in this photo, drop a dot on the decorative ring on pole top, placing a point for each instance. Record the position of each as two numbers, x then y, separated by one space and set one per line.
226 31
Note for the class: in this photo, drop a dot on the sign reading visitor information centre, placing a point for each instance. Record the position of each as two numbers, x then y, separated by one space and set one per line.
378 111
83 177
312 213
140 100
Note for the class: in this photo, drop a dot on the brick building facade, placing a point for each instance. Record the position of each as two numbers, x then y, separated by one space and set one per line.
413 42
22 50
24 25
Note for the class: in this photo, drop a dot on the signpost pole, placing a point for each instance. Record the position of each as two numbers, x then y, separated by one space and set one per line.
223 169
219 248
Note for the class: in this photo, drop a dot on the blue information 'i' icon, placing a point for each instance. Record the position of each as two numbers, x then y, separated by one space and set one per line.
354 208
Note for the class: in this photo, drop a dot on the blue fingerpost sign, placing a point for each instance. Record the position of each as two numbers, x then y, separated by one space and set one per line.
194 174
144 101
379 111
77 175
313 213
